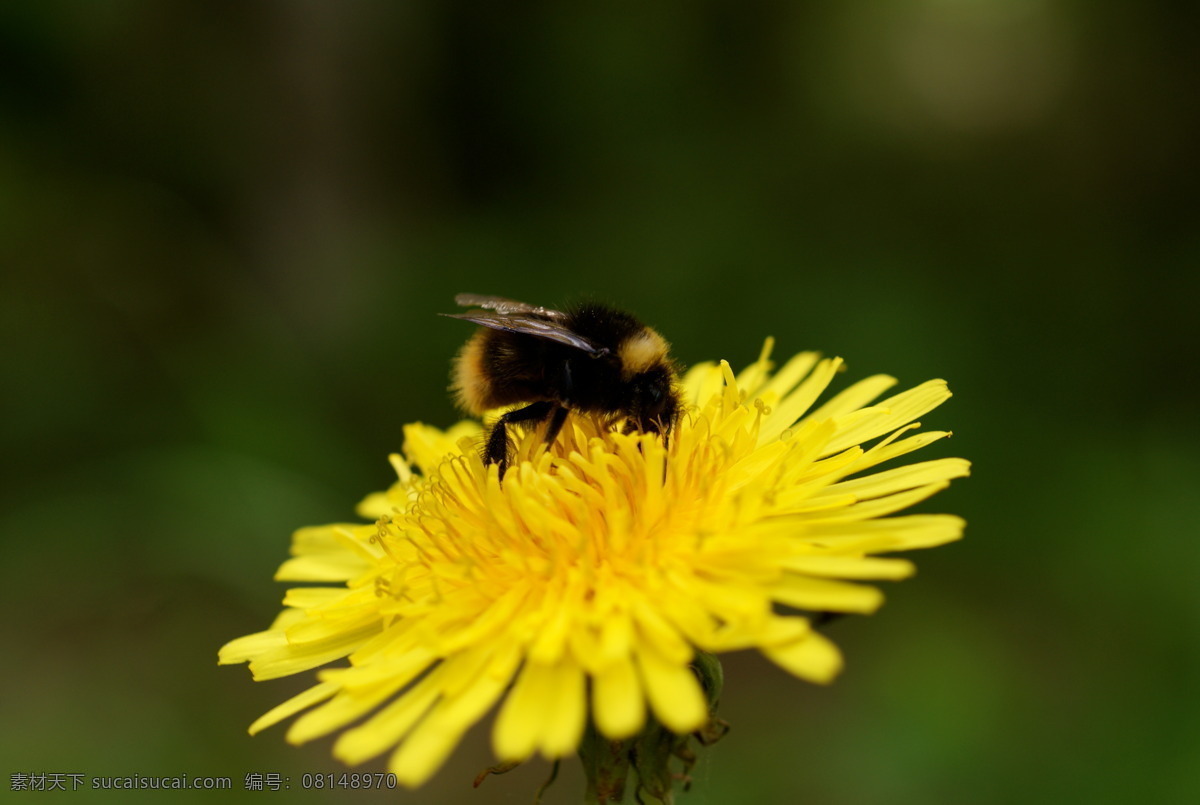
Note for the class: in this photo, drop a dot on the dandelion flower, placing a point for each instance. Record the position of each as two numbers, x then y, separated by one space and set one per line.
576 594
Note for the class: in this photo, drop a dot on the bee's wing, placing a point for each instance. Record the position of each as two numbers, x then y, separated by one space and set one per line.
529 324
507 306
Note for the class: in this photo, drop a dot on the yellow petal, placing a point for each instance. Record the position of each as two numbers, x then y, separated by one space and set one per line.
389 726
292 660
427 447
310 597
616 636
301 701
789 375
322 567
879 507
902 478
404 472
655 629
926 531
519 725
315 539
814 657
250 646
347 706
565 700
854 397
617 703
314 631
750 379
885 451
427 747
887 533
793 406
701 382
674 692
893 413
822 594
850 567
405 666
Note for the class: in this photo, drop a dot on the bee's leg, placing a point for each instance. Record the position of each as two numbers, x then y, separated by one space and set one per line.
496 450
556 422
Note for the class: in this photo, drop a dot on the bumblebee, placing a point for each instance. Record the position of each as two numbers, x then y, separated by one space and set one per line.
591 359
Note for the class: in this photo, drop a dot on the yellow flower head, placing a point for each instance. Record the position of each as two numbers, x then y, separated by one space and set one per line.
586 582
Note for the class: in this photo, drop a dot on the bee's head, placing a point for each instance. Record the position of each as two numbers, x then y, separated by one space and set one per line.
653 402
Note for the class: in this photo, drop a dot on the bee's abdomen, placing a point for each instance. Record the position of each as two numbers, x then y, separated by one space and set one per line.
497 368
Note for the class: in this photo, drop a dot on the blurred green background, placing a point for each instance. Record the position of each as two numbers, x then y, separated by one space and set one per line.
226 227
